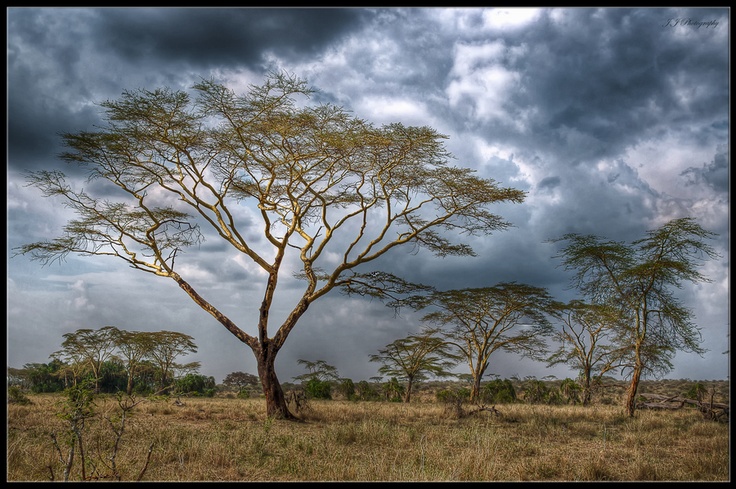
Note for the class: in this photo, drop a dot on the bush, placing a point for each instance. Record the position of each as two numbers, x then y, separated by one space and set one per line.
17 396
318 389
196 384
697 391
347 389
365 391
498 392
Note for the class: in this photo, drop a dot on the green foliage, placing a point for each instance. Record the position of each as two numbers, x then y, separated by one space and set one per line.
635 282
45 377
195 384
535 392
318 370
318 389
461 394
17 396
498 391
113 376
696 391
367 391
108 357
393 390
347 389
454 399
570 391
242 381
417 356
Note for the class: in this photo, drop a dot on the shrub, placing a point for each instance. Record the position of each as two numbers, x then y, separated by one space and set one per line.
318 389
498 392
17 396
196 384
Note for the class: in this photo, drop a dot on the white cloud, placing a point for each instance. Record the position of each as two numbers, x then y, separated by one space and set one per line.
479 79
509 18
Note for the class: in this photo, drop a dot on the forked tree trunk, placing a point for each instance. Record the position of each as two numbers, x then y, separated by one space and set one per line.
276 406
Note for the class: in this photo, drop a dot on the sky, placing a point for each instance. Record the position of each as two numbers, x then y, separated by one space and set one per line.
612 120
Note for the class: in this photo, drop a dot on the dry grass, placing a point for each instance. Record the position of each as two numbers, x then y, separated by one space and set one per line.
224 439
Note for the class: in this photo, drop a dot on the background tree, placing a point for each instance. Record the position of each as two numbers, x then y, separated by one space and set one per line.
89 348
415 357
318 380
166 347
133 348
584 341
480 321
637 280
44 377
318 179
19 377
242 381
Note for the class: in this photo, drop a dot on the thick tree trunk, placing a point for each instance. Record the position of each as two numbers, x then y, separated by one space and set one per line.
407 397
586 387
475 390
276 406
630 405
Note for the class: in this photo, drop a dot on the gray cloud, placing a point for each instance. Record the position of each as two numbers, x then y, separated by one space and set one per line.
611 120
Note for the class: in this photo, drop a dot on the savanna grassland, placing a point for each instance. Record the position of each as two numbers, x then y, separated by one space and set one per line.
231 439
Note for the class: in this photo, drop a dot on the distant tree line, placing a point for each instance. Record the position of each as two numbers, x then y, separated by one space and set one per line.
115 360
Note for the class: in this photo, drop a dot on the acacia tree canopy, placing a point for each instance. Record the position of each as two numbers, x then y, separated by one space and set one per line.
507 316
415 357
326 188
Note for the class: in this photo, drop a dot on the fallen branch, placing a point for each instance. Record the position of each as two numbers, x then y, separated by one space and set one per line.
711 410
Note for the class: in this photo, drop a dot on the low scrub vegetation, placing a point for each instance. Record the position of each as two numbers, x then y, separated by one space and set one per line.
231 439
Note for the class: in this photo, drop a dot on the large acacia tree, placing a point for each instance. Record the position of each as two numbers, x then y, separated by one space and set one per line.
637 281
325 187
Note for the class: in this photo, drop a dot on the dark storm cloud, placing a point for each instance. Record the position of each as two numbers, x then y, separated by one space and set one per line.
618 77
713 174
207 37
56 56
548 183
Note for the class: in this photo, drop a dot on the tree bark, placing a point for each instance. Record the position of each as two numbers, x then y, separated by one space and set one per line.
276 406
407 397
630 405
475 389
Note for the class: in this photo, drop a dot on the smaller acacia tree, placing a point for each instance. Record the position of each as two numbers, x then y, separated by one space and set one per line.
167 347
415 357
318 381
508 316
244 382
88 349
636 280
134 348
584 341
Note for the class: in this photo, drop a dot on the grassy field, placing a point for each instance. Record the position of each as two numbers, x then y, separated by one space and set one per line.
230 439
